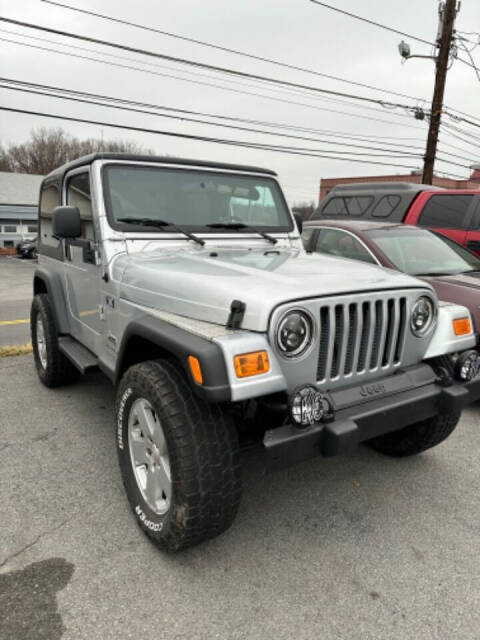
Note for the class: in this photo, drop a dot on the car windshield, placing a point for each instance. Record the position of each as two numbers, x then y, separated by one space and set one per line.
193 199
422 252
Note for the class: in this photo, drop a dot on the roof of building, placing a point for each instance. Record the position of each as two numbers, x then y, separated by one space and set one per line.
19 188
135 157
26 212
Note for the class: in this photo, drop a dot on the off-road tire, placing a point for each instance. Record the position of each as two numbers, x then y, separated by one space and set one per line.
203 452
416 437
58 370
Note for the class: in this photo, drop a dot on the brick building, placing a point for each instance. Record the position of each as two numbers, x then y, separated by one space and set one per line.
327 184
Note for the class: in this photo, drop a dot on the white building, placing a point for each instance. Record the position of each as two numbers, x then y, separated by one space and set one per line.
18 207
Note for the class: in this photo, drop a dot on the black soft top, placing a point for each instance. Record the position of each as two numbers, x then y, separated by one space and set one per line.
57 174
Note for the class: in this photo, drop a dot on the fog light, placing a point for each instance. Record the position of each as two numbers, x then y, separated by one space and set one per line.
308 406
467 365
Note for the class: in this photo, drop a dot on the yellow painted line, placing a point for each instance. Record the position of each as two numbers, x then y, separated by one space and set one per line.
3 323
16 350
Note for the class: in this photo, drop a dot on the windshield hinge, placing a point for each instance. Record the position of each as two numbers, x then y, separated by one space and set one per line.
237 312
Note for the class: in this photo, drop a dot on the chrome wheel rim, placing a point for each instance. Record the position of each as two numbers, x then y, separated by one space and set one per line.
149 456
41 343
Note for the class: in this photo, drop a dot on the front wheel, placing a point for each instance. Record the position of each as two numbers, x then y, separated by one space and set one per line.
178 455
416 437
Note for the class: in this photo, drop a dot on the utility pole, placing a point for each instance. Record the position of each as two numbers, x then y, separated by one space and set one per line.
447 11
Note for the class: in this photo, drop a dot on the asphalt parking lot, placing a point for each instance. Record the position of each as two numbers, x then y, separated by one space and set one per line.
360 546
16 278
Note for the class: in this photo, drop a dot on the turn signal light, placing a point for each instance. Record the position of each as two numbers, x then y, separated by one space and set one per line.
251 364
196 369
462 326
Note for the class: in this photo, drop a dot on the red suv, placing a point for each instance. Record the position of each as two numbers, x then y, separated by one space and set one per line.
455 213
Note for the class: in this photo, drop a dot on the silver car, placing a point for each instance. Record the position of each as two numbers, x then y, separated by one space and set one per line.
187 284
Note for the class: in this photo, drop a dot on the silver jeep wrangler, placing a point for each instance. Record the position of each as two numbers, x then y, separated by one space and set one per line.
187 284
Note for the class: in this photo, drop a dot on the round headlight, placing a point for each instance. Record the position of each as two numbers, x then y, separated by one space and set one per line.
294 333
423 315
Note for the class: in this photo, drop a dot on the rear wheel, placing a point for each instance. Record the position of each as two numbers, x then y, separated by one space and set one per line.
178 455
416 437
53 368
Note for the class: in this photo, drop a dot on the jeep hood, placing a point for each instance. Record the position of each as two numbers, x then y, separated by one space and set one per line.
201 283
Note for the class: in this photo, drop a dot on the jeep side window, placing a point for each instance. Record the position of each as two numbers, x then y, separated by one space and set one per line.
446 212
342 244
49 199
79 195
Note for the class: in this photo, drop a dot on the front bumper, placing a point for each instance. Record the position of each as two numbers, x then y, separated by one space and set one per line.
406 398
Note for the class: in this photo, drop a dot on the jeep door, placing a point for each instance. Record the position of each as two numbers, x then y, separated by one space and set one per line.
82 274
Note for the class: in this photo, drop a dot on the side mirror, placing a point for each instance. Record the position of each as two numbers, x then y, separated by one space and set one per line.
299 221
66 222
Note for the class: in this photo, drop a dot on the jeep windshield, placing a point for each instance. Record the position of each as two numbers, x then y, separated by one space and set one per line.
195 200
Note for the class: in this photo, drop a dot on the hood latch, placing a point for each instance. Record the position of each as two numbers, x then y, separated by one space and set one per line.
237 312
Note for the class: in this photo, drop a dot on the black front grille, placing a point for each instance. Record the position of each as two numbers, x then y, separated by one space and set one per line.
360 336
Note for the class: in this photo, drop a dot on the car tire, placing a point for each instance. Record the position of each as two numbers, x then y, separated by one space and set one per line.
416 437
190 449
53 368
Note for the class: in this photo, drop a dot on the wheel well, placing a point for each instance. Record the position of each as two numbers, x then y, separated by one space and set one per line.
39 286
140 349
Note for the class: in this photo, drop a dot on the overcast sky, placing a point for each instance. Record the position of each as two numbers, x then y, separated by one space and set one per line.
294 31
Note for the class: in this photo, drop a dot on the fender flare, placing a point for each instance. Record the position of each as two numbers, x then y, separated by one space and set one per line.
180 344
54 285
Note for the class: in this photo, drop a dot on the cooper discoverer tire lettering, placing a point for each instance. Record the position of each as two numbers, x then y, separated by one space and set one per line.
201 447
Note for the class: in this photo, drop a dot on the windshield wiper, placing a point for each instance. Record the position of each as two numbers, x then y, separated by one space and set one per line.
154 222
238 226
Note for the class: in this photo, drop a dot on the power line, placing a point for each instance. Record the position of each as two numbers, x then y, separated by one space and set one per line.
467 50
197 75
472 139
156 73
387 28
236 143
141 107
372 22
472 61
203 65
211 45
265 59
272 147
271 124
75 98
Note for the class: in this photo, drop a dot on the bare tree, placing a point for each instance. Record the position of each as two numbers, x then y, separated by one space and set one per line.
305 209
3 160
50 148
